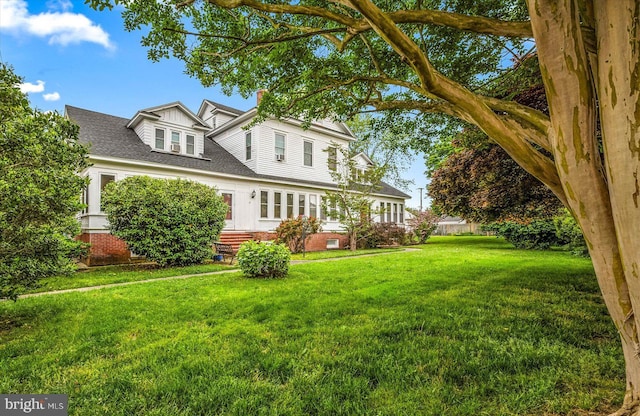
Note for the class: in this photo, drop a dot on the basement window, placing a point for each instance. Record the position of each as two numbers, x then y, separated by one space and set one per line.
332 243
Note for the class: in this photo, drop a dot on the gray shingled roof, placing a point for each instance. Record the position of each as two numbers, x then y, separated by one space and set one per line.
109 136
226 108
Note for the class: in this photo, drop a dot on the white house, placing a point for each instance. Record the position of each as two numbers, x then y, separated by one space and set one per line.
265 172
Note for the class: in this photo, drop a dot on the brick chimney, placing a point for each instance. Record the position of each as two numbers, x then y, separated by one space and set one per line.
259 95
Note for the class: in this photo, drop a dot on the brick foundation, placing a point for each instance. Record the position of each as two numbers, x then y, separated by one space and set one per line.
108 249
317 242
105 249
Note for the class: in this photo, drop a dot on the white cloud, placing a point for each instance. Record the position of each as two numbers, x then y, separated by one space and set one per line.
54 96
28 87
63 5
63 28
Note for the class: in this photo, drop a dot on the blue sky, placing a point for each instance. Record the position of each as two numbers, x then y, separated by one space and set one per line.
68 53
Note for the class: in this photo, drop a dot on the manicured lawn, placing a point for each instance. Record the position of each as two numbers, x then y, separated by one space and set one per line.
118 274
330 254
465 326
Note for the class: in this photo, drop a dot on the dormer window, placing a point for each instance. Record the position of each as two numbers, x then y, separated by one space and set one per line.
191 144
159 139
175 141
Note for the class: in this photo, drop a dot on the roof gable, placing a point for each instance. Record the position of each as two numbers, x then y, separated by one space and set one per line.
218 108
152 113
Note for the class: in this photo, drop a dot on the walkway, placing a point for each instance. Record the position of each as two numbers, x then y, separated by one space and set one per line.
187 276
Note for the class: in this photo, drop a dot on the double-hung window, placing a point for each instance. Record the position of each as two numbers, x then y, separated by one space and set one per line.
264 204
175 141
332 158
313 206
401 213
301 204
159 139
277 205
279 149
308 153
247 146
289 205
191 144
388 211
323 207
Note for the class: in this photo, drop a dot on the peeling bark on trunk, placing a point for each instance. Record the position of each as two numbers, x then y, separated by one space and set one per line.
605 207
618 52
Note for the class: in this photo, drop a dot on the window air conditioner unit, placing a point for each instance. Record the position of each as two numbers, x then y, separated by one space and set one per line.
279 158
175 148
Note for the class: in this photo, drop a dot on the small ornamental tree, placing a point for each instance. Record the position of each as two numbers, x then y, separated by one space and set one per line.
423 224
173 222
351 202
294 232
40 158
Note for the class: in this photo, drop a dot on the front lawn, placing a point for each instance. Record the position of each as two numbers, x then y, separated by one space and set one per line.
464 326
105 275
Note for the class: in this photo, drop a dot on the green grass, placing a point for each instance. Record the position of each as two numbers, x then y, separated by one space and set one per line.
105 275
464 326
330 254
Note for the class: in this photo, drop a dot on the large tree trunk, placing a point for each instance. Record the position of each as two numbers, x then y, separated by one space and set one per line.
606 207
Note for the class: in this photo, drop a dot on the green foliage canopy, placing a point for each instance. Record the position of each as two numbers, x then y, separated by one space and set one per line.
173 222
39 190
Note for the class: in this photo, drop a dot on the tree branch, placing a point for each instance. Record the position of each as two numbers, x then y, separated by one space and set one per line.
477 24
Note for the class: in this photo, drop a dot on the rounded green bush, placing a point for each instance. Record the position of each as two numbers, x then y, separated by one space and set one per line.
173 222
263 259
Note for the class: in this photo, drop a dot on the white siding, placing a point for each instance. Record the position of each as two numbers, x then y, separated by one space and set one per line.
222 118
143 134
210 113
293 165
233 141
171 119
246 214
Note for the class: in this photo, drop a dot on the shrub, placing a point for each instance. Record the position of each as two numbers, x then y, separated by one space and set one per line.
538 234
40 157
266 260
423 224
568 231
376 234
170 221
294 232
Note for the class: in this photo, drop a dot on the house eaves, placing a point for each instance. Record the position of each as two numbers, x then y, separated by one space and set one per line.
220 108
294 122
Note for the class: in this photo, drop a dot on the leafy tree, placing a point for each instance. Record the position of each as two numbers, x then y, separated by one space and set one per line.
39 190
386 146
423 64
474 178
484 184
351 203
294 232
173 222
